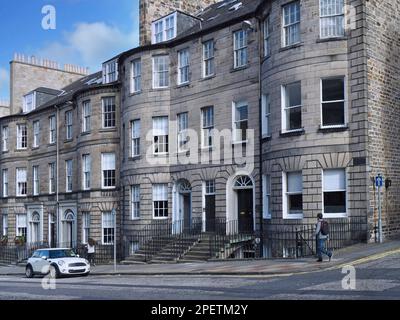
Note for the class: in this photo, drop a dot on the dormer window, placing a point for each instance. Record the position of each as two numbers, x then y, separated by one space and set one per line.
29 102
164 29
110 71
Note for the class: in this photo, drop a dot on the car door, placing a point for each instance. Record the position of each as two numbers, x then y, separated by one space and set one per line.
41 263
34 260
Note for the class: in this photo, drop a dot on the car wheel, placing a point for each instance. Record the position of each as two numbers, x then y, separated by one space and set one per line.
54 272
29 272
86 274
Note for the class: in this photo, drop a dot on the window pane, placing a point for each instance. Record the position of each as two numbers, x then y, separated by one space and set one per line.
333 114
160 192
335 202
294 118
295 182
241 113
334 180
293 94
295 203
332 89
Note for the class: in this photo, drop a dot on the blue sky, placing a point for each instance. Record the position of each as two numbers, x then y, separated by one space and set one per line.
87 32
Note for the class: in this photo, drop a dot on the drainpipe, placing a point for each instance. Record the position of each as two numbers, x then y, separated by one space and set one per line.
260 132
56 180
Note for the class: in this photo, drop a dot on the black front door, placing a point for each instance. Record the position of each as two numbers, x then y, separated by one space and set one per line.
245 210
210 213
186 211
52 235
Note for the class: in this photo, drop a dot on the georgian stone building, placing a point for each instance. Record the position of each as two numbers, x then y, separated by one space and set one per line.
299 98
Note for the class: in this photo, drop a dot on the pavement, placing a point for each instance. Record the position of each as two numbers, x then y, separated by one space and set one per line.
353 255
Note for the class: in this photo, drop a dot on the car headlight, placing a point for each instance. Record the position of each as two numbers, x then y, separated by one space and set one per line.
61 262
87 262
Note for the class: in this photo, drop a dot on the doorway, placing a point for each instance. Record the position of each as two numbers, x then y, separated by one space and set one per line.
244 193
184 206
68 229
245 210
52 231
209 206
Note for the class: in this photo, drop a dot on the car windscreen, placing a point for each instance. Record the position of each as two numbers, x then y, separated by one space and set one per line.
55 254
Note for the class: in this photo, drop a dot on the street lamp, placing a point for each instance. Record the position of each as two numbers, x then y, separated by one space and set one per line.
114 214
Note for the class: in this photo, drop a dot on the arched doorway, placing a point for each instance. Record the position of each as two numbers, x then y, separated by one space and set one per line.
35 228
68 229
243 204
183 215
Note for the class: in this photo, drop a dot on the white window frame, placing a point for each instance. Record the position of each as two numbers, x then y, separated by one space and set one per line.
346 190
69 125
345 104
110 71
68 176
86 116
4 224
238 49
170 26
19 183
157 73
135 202
160 29
160 133
35 180
183 66
267 200
164 185
235 106
136 79
19 225
285 199
86 221
285 109
103 186
208 58
52 178
22 136
109 102
183 127
135 138
267 36
52 129
286 27
86 171
107 225
36 134
323 17
207 128
4 175
266 115
5 136
28 108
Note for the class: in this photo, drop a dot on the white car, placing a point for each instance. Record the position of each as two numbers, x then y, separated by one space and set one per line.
58 262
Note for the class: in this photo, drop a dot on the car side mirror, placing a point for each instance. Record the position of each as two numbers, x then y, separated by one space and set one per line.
77 255
44 258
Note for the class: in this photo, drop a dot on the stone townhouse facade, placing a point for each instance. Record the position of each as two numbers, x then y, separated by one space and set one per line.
307 90
53 188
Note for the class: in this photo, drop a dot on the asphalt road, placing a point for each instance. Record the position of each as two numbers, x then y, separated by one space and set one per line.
373 280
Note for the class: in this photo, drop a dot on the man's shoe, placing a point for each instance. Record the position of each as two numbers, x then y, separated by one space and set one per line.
319 260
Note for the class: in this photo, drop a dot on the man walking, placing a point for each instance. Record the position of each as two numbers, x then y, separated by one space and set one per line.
322 234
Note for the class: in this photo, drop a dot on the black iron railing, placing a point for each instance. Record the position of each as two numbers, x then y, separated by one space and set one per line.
167 240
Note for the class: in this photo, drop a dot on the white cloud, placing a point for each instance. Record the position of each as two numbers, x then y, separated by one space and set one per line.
90 44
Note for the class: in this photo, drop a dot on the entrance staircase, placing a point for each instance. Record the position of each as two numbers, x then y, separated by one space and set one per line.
191 249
